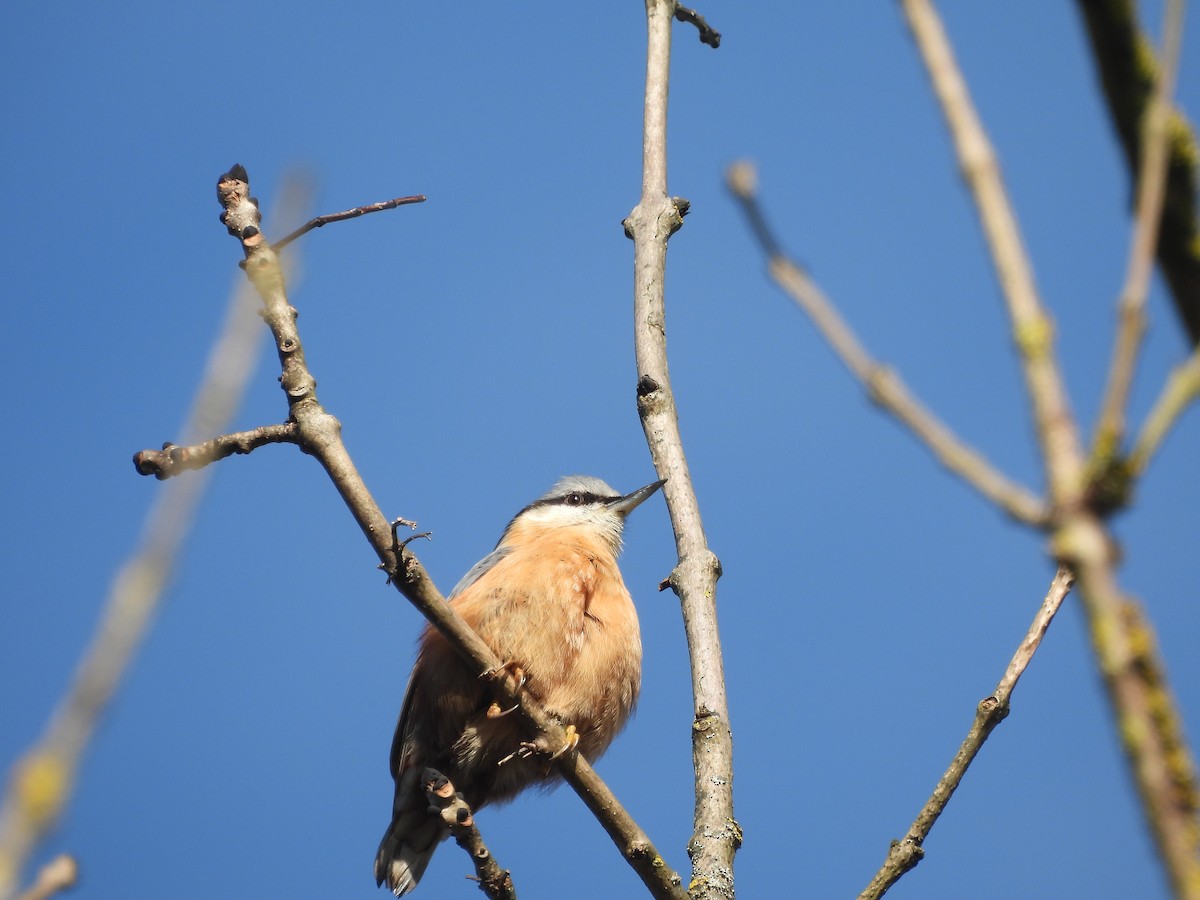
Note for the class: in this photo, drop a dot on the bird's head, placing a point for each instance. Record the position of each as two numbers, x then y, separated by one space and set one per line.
581 500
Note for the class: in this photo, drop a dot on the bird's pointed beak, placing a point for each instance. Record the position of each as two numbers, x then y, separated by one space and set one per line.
623 506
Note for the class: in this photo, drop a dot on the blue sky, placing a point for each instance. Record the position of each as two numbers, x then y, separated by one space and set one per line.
479 346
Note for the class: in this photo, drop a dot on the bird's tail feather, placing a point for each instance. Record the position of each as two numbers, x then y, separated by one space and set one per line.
407 847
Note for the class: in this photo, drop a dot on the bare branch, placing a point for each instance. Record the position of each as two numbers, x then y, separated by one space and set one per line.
1126 63
173 459
708 34
319 434
656 217
320 221
494 881
1181 390
42 781
992 710
882 384
1146 715
1032 327
1110 430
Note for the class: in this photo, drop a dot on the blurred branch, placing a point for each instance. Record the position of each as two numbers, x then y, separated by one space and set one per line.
1032 328
1146 715
1181 389
1128 72
59 874
42 781
1110 431
653 220
319 434
494 881
908 851
882 384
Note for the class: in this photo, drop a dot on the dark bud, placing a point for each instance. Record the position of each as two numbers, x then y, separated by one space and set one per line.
646 385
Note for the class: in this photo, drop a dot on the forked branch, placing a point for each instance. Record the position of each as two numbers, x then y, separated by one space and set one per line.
319 434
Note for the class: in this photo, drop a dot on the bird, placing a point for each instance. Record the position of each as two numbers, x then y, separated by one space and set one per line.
550 602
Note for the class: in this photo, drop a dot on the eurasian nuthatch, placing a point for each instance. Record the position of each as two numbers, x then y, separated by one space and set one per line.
550 602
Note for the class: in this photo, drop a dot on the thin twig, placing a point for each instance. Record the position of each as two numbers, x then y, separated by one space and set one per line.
992 710
320 436
1181 389
42 781
882 384
494 880
708 34
716 834
1152 177
346 214
173 459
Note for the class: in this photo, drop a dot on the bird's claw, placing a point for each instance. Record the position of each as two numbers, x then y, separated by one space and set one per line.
517 673
571 741
526 749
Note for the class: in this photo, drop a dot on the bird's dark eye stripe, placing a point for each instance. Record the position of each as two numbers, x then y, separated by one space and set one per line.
577 498
572 498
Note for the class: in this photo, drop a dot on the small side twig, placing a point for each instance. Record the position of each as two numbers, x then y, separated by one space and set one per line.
708 34
1180 391
173 459
992 710
494 880
319 221
882 384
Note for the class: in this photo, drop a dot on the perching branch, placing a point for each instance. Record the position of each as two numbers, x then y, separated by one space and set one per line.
42 781
494 881
882 384
992 710
1127 67
656 217
319 434
1110 431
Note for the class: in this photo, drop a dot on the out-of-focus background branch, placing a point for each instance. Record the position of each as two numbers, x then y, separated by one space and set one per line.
41 783
1127 65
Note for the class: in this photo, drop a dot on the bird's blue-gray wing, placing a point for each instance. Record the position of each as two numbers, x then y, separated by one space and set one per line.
480 569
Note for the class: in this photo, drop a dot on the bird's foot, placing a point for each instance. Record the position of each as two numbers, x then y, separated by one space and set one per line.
570 742
512 670
541 747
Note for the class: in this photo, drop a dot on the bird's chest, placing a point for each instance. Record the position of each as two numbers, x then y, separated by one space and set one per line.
554 605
